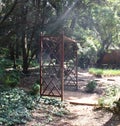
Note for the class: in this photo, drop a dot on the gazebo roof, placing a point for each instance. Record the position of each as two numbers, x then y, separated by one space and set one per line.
56 38
67 39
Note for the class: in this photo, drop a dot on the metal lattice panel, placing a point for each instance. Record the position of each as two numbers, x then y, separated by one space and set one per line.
51 55
57 65
70 67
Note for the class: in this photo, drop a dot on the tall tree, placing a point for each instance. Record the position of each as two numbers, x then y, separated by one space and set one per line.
88 21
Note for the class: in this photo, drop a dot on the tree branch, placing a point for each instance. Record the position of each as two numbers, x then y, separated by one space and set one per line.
10 11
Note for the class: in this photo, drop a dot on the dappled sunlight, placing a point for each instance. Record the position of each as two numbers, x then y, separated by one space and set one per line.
78 97
60 62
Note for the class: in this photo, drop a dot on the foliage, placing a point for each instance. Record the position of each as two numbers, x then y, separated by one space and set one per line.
2 72
110 72
116 108
95 24
87 53
5 63
4 51
58 107
35 88
95 71
83 61
8 76
104 72
33 63
54 102
11 78
110 99
16 106
90 87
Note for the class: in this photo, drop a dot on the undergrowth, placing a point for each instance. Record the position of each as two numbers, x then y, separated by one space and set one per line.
111 99
16 106
90 87
104 72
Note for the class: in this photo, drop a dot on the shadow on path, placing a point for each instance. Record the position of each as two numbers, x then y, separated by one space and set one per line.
114 121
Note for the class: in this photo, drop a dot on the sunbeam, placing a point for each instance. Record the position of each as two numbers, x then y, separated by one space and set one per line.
54 25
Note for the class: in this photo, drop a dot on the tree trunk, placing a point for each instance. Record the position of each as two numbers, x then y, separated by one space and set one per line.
12 55
24 40
17 50
100 59
24 55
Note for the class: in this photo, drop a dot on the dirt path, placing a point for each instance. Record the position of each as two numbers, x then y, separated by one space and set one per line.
78 116
86 116
82 97
81 115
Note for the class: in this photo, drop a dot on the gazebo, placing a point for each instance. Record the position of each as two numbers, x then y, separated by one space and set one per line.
58 65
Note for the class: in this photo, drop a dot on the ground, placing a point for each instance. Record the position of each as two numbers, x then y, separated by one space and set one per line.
79 115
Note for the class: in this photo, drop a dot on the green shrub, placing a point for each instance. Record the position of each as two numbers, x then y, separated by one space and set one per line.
101 102
11 78
111 99
36 88
91 86
34 63
4 51
6 63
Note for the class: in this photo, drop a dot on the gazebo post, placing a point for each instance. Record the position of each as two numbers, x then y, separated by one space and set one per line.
41 47
76 65
62 66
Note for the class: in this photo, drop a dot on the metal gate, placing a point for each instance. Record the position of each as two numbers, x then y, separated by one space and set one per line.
58 70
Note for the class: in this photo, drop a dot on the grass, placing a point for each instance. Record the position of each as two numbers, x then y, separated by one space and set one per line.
105 72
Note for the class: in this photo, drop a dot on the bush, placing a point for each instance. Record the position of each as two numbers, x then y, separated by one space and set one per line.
6 63
36 88
4 51
91 86
11 78
111 99
34 63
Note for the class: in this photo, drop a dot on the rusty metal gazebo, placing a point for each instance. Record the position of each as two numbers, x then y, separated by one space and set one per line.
58 65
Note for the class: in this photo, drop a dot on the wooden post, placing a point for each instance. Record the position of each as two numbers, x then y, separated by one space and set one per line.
62 66
76 66
41 48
